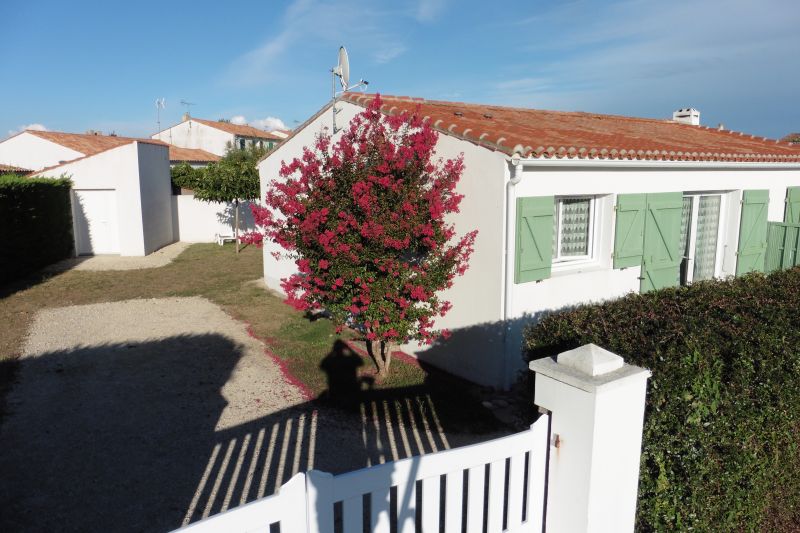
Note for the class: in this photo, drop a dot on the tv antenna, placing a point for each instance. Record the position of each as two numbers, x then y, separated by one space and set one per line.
161 103
342 71
187 105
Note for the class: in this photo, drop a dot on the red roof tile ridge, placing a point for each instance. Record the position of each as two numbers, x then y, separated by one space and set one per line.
657 141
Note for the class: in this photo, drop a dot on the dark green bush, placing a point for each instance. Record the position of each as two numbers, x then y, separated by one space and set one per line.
185 176
721 433
36 224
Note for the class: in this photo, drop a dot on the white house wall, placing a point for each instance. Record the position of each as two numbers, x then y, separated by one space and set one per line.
198 221
28 151
155 192
191 134
569 286
475 347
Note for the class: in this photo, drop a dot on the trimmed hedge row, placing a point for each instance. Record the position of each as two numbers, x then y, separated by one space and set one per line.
721 448
36 224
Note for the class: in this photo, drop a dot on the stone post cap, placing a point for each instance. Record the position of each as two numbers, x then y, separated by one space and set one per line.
589 368
590 359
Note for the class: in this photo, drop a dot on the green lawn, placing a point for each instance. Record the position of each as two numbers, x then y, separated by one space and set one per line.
233 282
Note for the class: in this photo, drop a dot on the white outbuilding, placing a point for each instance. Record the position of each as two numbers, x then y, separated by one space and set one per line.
121 195
575 207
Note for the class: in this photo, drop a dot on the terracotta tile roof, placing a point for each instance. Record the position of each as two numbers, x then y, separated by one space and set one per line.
10 168
239 129
559 134
86 143
194 155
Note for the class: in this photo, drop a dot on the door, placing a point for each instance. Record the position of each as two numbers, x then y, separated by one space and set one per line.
662 240
95 214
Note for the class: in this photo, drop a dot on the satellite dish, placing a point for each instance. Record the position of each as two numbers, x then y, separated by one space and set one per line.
343 68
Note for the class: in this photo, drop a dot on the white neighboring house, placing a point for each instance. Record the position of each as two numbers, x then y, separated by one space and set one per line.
574 208
121 186
215 136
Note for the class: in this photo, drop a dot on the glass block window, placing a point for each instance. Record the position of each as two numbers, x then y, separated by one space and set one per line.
573 229
686 222
705 252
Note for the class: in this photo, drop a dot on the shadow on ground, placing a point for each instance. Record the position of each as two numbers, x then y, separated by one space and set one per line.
106 438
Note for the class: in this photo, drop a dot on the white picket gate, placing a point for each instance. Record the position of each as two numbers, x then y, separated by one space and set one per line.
503 478
583 479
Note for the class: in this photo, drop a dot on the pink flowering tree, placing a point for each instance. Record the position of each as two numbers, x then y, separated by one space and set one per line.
365 221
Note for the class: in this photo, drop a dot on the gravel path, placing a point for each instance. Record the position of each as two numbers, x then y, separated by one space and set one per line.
146 415
159 258
116 408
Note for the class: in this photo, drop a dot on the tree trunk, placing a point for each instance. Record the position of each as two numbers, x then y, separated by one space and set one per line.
236 223
381 354
386 347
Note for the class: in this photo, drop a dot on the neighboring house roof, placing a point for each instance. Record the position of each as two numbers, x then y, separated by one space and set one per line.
242 130
560 134
793 138
190 155
87 143
5 169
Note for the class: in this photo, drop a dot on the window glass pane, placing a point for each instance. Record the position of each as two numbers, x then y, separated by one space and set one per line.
686 220
575 227
705 253
556 224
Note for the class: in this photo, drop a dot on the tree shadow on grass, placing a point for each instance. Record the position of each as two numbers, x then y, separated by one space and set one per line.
139 436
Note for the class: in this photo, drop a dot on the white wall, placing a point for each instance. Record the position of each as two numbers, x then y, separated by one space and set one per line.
198 221
34 153
118 169
155 188
191 134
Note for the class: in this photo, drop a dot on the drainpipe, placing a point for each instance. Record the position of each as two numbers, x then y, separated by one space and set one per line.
508 289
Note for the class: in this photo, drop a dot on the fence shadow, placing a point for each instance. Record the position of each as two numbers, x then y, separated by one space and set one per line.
127 437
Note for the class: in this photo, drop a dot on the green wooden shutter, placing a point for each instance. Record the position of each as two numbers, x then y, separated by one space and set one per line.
534 243
752 232
782 246
661 257
629 232
792 213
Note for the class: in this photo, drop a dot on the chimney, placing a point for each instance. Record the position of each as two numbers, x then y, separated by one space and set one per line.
186 116
687 115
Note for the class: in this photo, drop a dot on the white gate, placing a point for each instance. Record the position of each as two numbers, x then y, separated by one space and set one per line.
500 483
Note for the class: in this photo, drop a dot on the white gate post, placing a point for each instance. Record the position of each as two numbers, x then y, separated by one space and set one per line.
597 406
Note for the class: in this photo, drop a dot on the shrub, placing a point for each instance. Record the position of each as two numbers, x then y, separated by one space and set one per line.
185 176
365 217
36 219
720 450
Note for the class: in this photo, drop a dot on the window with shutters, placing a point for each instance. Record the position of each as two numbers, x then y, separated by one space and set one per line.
700 236
574 229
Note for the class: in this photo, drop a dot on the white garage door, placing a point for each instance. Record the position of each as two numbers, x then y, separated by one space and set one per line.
96 230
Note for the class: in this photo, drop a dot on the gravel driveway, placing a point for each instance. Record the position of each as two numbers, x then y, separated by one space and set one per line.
146 415
117 407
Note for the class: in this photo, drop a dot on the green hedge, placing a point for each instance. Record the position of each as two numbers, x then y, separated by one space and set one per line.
721 434
36 224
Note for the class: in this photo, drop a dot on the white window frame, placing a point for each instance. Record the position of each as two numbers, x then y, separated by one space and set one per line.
558 259
720 252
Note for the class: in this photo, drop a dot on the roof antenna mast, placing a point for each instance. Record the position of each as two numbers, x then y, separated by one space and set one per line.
188 106
161 103
342 71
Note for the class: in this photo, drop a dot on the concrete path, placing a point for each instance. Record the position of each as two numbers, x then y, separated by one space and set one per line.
159 258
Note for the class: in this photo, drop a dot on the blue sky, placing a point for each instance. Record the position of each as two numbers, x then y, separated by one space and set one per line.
72 66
